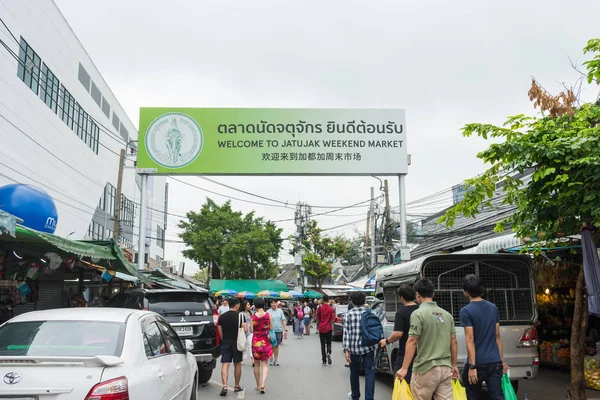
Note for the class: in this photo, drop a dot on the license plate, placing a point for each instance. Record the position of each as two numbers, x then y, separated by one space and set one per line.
184 330
19 398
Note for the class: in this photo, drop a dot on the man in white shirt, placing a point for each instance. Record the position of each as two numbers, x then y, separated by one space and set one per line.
224 307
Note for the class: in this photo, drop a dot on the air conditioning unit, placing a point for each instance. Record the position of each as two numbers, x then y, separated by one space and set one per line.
167 264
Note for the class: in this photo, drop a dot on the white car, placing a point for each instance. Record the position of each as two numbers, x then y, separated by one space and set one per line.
94 354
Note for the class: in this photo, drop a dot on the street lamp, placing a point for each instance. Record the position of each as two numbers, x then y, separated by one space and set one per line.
70 234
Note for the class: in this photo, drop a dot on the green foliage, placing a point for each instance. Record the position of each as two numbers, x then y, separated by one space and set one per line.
202 276
593 65
240 246
320 252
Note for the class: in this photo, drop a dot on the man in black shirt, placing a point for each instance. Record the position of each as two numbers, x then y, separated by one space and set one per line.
229 324
402 326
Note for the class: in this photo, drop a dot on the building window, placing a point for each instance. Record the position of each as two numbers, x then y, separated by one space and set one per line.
96 95
49 87
110 193
105 107
116 121
127 212
125 242
160 237
40 79
29 66
124 133
66 106
96 231
84 78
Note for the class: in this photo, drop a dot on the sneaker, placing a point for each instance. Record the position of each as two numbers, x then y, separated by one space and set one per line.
275 364
329 359
350 395
324 363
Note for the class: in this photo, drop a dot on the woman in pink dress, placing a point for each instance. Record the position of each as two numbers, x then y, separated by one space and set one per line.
262 349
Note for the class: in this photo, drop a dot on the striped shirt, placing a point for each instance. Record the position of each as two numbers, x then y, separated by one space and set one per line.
353 334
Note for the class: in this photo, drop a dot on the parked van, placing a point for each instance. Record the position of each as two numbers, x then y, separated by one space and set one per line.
509 284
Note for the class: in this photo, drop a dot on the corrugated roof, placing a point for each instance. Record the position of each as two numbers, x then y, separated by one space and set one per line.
466 232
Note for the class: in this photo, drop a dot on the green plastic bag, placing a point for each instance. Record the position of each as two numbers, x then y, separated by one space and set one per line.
507 389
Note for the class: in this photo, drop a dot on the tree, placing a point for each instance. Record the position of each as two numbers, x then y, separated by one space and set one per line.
231 245
202 276
319 253
561 149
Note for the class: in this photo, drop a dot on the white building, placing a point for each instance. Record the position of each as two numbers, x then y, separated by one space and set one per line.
61 129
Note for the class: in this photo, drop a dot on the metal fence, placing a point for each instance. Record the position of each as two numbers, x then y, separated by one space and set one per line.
508 283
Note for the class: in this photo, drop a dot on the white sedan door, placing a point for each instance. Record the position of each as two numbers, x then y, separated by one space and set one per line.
161 360
178 357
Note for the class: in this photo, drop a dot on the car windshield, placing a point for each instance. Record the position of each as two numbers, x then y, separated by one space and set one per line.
62 338
177 297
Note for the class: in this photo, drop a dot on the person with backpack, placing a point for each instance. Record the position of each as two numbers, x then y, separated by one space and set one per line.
362 333
298 320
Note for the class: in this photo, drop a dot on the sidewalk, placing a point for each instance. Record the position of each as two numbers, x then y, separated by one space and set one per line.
550 384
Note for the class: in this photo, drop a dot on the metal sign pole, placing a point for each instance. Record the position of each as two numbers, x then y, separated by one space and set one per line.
403 235
142 237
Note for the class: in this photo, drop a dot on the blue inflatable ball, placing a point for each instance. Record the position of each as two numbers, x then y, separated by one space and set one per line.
33 205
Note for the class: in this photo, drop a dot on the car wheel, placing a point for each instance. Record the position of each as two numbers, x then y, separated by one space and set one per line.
194 395
204 375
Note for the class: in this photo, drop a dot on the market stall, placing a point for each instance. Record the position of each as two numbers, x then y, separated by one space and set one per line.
41 271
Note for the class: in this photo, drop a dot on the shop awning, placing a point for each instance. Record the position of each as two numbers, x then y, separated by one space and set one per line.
107 254
250 285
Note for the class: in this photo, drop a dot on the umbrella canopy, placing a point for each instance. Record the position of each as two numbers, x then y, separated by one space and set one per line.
309 294
285 295
295 295
246 295
268 293
225 292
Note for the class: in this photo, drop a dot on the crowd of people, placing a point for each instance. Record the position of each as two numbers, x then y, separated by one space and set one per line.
427 356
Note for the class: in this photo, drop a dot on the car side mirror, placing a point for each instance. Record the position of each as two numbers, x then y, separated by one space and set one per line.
189 345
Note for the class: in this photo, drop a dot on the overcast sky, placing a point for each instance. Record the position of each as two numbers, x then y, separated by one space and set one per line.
446 62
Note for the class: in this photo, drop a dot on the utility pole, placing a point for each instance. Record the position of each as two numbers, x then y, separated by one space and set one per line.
373 237
388 221
301 218
367 239
117 226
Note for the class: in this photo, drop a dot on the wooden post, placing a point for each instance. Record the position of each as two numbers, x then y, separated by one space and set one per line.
117 226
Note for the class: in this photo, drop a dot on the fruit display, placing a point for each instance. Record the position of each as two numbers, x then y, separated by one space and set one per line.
546 352
564 356
591 372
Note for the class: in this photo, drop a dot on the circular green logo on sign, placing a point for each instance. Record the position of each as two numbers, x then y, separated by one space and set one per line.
174 140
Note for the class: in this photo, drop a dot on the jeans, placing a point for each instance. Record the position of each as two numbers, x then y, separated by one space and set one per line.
398 365
491 374
367 360
298 327
325 339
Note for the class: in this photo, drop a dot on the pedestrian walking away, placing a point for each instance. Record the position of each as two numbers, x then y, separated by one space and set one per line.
324 316
307 318
298 320
262 349
401 327
432 336
355 351
246 309
485 359
229 324
280 328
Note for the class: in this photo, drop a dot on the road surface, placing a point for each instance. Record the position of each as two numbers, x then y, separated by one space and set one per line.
301 376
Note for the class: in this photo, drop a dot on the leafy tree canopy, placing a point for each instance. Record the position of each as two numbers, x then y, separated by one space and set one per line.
237 246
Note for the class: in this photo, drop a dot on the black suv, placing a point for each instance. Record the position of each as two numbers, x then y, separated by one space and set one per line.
192 314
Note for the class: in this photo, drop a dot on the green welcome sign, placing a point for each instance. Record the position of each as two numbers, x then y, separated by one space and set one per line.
272 141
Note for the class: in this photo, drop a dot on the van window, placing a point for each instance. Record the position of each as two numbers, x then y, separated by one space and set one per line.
507 280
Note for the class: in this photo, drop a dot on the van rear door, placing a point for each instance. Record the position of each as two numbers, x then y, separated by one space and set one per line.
509 284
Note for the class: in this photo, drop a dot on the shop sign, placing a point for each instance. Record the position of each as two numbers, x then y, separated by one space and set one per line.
272 141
